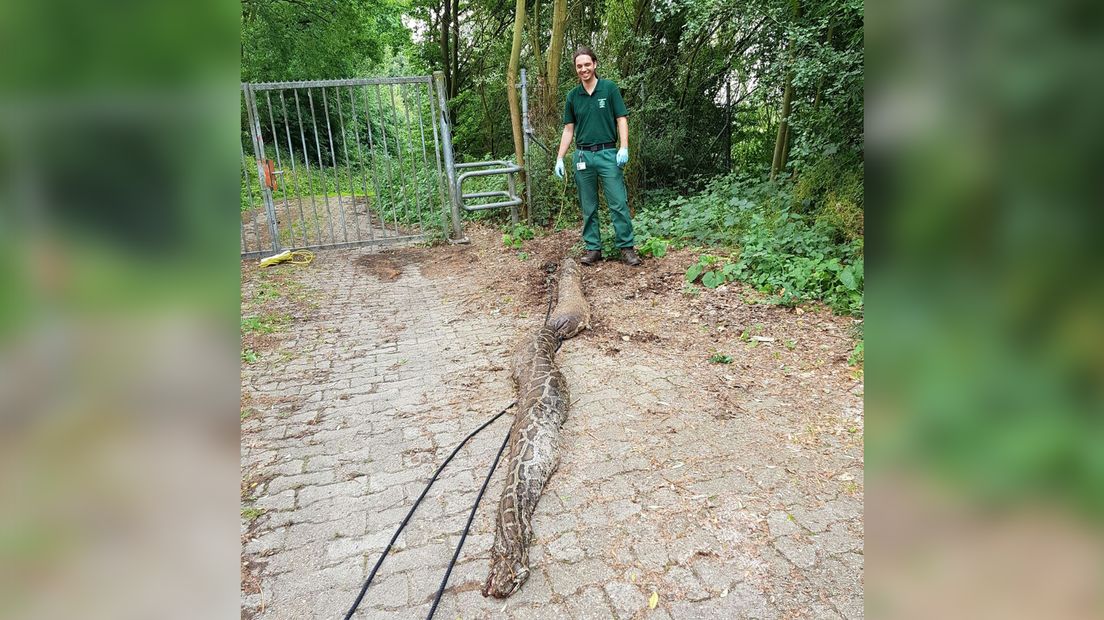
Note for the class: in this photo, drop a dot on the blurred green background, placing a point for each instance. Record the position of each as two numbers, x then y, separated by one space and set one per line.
986 357
118 296
985 364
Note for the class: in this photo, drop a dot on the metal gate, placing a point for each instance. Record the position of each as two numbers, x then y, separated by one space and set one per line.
341 163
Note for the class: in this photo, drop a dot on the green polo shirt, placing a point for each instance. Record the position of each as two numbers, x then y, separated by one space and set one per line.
595 115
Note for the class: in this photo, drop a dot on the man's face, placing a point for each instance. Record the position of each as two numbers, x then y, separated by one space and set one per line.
584 67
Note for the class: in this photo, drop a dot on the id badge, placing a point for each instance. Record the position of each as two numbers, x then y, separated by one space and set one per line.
580 166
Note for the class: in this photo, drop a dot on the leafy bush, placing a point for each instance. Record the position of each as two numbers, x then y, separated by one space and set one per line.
774 245
516 236
654 247
856 357
832 189
712 270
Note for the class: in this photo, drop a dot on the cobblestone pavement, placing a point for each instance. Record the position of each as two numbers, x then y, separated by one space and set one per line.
722 516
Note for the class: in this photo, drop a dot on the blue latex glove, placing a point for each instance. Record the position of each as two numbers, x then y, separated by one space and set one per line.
622 157
559 168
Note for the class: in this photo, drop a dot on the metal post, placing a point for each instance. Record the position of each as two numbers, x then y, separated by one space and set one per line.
258 150
513 192
450 163
525 140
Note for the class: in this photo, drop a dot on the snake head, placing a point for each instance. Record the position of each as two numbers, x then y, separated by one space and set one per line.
505 578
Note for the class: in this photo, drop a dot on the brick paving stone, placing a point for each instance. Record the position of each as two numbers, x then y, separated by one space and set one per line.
566 548
299 534
548 526
651 554
423 557
684 581
589 604
716 575
850 605
838 539
311 494
568 578
389 377
781 524
742 601
277 501
798 550
627 599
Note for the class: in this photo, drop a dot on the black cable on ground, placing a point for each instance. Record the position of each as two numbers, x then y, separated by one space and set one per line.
482 490
406 519
467 526
487 480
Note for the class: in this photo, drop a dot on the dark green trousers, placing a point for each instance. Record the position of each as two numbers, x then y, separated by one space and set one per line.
602 165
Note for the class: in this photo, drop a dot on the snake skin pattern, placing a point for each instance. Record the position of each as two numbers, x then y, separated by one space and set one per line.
572 311
535 434
534 455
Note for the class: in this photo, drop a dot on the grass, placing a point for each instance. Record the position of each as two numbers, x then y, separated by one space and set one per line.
409 192
265 323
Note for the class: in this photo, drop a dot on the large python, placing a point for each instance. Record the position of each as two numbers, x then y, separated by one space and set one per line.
535 434
572 313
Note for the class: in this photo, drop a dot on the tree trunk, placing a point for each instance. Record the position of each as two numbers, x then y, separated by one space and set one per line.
820 82
534 41
786 142
512 96
487 117
555 55
728 123
783 129
781 143
455 48
446 57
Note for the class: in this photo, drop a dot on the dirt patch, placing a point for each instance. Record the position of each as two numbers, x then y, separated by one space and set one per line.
386 265
758 350
250 580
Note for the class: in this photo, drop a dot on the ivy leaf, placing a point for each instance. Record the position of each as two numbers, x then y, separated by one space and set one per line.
693 272
847 276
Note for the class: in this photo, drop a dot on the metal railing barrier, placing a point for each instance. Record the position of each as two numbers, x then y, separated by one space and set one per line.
502 167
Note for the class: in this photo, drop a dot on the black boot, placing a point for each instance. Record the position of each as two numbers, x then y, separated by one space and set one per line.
630 257
591 257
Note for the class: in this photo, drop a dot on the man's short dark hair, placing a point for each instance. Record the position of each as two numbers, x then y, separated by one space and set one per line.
584 50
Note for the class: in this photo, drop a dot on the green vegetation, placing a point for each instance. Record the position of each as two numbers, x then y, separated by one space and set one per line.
264 324
784 247
654 247
856 358
720 358
517 235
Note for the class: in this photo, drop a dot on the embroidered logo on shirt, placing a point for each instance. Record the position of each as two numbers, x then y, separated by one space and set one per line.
602 102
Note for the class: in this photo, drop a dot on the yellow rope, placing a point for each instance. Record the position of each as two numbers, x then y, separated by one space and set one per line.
301 257
298 257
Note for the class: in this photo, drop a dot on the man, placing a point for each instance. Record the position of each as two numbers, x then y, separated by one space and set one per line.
596 116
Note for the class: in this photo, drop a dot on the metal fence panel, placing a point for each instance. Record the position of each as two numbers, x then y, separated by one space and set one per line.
334 164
